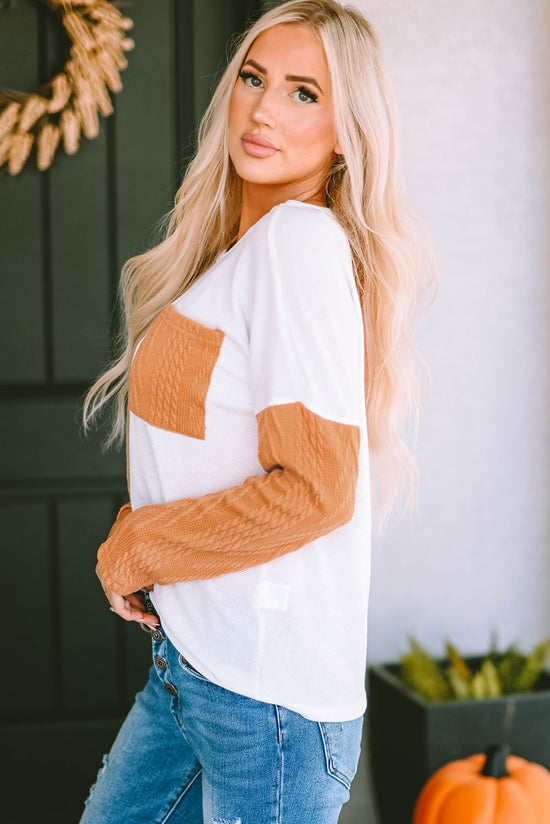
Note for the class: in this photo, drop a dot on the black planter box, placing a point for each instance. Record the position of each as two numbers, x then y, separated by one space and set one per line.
410 738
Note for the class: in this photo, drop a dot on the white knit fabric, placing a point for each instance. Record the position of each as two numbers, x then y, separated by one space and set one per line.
293 631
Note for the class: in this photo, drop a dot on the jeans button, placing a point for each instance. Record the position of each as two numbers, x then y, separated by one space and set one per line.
170 688
149 606
157 635
161 663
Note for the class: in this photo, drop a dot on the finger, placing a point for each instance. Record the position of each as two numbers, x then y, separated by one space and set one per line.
127 608
120 606
150 620
135 601
123 607
139 612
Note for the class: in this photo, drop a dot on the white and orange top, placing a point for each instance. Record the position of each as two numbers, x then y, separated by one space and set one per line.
249 470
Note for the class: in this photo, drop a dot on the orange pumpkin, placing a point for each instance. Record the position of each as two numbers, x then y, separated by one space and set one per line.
488 788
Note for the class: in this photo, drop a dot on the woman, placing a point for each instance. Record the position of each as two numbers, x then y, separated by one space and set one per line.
262 335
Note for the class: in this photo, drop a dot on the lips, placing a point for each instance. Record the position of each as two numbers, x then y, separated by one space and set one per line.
259 141
257 146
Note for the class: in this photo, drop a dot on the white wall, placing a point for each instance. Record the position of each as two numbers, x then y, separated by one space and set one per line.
473 82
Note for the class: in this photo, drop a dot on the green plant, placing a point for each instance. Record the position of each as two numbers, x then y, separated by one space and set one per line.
499 673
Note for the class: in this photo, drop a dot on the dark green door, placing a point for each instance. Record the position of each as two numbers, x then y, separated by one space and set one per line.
71 668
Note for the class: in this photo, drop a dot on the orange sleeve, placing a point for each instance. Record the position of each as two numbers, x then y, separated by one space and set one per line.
122 513
307 490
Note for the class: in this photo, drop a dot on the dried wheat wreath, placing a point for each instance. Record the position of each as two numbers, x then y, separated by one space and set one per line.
68 104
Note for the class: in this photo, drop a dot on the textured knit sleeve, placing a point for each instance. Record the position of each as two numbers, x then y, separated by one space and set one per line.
305 355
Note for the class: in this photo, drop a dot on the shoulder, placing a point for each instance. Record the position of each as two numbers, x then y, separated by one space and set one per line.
296 249
297 254
315 225
296 234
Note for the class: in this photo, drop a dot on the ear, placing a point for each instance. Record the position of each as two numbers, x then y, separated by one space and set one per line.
338 148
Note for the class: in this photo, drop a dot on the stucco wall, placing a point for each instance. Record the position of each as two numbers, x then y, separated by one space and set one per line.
473 81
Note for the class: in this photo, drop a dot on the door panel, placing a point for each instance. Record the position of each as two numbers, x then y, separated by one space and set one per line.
73 668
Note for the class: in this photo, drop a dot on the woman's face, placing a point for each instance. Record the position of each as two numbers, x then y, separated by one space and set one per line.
281 126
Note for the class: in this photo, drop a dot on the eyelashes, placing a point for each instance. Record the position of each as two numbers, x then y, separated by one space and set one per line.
247 75
310 96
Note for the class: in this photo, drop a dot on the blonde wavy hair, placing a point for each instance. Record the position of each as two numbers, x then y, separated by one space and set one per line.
394 259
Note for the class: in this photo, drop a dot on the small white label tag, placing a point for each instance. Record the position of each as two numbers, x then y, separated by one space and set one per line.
273 596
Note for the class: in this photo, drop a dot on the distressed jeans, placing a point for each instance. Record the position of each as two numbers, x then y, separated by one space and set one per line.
192 752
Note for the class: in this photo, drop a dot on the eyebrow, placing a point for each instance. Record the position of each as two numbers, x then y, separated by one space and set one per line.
295 78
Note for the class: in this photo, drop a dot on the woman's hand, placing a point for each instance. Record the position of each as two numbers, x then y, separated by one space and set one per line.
130 607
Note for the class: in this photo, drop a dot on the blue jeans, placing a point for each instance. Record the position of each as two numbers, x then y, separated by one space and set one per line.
192 752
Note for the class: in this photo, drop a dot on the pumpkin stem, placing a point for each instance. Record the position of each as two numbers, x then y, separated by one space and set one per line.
495 763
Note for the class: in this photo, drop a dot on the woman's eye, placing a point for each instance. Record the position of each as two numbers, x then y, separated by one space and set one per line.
305 96
246 76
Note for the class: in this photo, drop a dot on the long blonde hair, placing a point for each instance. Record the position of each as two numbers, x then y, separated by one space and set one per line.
393 256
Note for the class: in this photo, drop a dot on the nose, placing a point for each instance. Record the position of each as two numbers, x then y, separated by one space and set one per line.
263 111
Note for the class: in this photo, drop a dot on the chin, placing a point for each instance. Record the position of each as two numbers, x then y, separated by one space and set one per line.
251 170
261 180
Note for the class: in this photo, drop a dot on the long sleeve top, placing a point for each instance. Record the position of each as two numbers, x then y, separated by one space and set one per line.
248 470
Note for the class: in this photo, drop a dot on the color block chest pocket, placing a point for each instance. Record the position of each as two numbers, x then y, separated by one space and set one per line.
171 373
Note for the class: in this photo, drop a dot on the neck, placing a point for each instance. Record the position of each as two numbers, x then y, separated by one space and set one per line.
257 201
